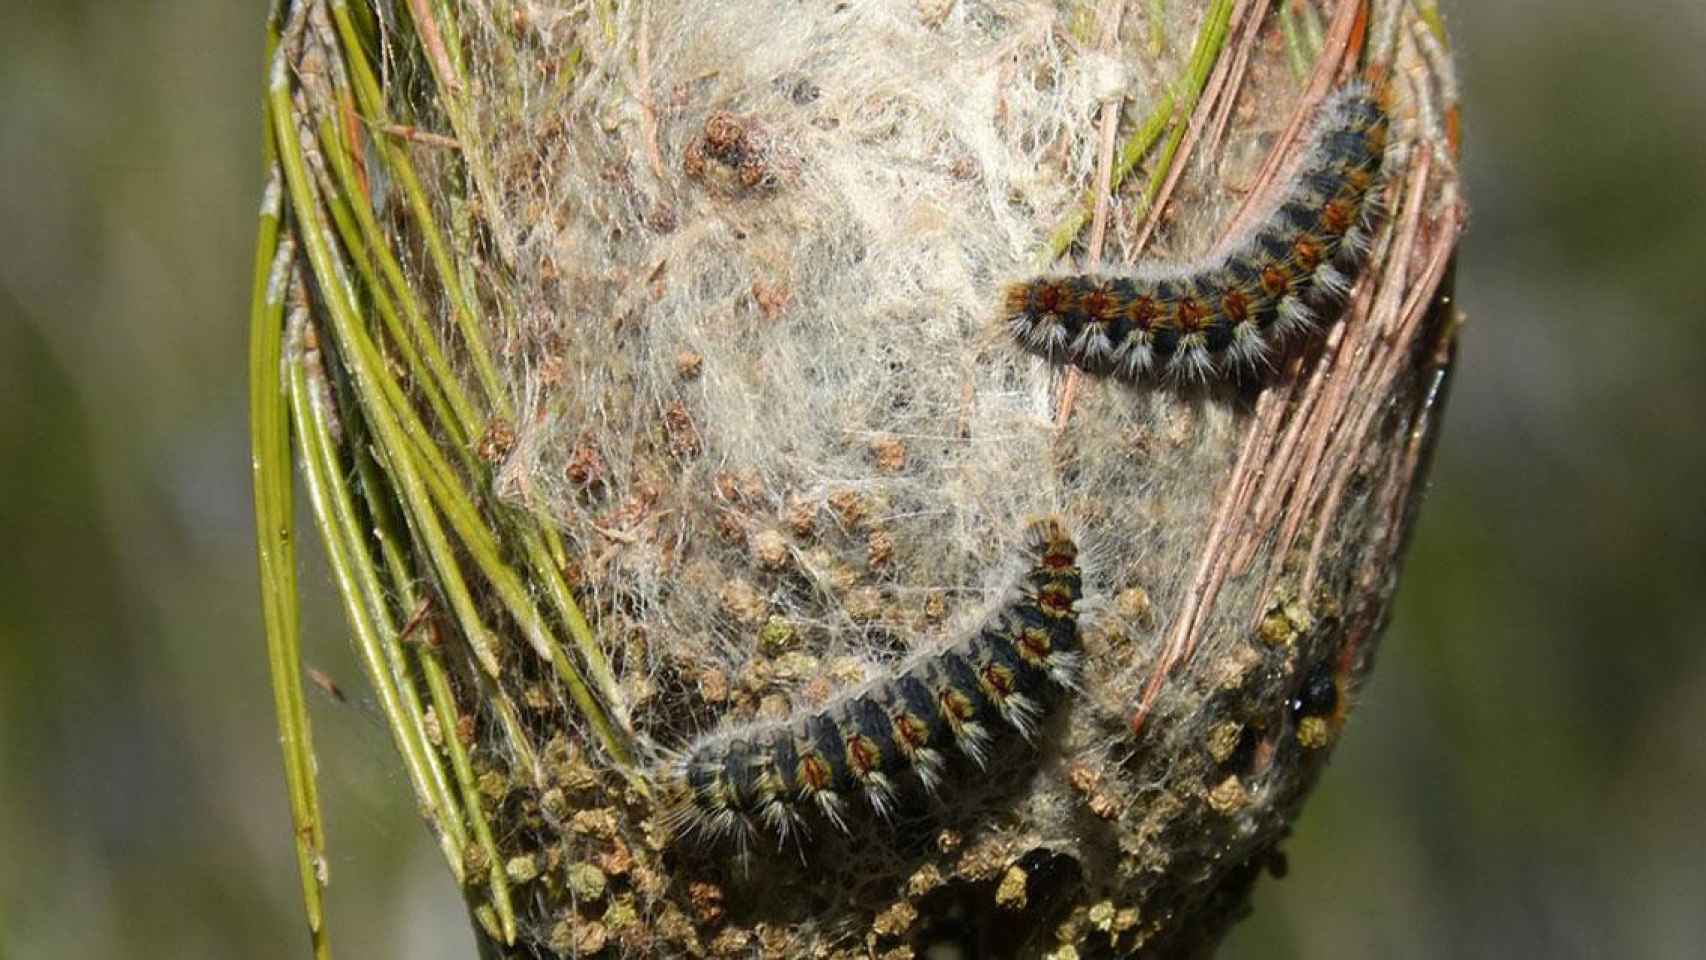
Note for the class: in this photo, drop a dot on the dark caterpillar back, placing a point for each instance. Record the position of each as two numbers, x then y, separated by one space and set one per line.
1226 313
1004 677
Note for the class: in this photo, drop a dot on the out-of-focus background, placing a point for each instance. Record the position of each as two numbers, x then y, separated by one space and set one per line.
1524 776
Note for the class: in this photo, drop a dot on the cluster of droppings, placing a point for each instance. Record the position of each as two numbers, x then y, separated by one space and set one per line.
734 155
1285 622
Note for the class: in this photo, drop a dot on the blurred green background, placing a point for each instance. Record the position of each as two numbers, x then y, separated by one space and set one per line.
1525 776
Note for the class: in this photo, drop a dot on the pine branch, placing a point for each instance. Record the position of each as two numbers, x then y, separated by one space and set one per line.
646 378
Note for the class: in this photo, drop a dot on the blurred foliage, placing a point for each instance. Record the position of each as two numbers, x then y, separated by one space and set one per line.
1523 776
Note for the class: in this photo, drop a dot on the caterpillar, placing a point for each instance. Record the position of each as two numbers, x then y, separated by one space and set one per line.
1227 313
1002 677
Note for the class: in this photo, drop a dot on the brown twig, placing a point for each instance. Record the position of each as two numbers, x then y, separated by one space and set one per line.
433 42
417 135
1240 69
1232 525
1384 351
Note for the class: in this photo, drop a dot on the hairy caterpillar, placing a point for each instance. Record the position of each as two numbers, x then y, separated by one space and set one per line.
1005 675
1223 314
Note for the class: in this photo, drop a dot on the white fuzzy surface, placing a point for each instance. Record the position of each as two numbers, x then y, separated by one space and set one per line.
913 165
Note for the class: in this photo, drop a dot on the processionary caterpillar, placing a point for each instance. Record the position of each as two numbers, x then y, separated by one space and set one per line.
1226 313
955 699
